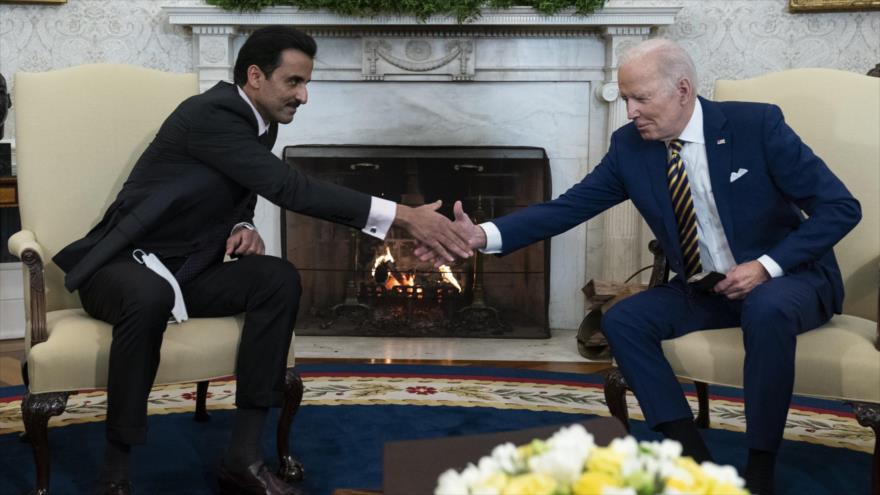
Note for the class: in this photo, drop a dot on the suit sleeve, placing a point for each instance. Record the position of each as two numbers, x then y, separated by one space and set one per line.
224 140
599 190
806 181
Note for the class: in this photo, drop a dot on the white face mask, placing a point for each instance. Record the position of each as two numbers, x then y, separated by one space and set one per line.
178 312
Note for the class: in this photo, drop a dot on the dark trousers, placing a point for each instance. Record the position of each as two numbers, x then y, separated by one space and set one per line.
138 303
771 317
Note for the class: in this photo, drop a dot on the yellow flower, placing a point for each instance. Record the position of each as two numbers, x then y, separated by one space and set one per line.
594 482
692 480
530 484
494 480
604 460
726 489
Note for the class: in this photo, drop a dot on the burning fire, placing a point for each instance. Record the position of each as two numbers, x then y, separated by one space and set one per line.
406 279
448 277
382 259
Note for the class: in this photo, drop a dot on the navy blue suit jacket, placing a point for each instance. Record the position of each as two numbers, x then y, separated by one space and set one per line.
761 212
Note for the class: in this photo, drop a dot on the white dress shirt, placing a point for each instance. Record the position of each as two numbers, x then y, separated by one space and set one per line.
382 211
715 254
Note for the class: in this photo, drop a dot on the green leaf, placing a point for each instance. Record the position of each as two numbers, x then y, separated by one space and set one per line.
463 10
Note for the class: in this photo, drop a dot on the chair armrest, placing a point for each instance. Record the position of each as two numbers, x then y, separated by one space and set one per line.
22 240
24 245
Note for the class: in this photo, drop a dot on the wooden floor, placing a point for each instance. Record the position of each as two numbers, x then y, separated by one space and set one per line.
12 354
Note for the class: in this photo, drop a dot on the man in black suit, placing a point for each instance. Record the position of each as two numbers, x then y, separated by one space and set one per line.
188 202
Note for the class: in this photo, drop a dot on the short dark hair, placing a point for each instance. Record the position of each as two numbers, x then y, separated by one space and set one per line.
264 46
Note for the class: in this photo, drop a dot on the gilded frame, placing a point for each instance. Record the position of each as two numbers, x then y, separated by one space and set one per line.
56 2
832 5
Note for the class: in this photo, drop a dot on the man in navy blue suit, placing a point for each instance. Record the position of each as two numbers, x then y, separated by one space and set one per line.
727 188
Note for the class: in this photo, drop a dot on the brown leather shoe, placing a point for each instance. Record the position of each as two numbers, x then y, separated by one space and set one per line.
256 480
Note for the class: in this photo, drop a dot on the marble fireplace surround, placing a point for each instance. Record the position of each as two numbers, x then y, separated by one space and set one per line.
511 78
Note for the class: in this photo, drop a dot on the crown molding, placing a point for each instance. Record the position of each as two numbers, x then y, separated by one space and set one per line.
514 16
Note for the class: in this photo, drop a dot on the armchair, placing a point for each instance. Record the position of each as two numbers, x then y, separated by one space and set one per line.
835 113
79 132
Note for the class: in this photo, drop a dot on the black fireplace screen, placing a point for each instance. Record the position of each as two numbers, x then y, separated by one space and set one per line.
355 284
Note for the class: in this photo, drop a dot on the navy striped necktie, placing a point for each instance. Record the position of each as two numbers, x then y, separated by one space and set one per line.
683 206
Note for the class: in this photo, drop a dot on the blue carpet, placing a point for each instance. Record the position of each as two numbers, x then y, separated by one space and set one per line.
341 446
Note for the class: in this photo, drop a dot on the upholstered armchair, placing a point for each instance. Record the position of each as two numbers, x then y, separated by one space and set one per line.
78 133
838 115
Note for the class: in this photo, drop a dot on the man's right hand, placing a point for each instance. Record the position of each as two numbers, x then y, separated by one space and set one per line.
465 229
434 232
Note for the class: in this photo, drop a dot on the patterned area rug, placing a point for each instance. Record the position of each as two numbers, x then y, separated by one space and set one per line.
812 421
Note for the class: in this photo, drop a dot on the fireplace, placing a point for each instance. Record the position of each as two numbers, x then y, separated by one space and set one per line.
512 77
355 284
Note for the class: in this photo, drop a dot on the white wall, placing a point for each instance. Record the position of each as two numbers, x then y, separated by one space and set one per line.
729 39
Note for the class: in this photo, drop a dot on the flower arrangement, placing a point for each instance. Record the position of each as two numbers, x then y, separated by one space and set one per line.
570 463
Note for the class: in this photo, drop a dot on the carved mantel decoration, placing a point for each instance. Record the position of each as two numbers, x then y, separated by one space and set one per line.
403 47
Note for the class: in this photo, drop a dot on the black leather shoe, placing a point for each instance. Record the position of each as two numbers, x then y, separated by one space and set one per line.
257 479
118 488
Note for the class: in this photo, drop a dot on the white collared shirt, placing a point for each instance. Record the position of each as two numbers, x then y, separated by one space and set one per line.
382 211
715 253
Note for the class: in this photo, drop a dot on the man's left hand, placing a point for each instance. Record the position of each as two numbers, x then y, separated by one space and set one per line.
244 242
741 279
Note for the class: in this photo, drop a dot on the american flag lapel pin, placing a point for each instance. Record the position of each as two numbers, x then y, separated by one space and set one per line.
721 141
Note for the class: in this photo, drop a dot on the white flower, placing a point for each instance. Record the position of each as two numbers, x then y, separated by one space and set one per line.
451 483
488 465
626 446
575 439
668 449
723 474
472 474
564 467
507 458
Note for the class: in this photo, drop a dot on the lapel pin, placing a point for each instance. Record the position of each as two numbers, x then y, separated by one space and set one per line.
722 141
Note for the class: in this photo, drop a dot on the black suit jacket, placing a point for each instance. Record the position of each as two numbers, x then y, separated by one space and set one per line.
202 172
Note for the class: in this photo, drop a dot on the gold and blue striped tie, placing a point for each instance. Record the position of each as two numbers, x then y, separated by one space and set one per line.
683 206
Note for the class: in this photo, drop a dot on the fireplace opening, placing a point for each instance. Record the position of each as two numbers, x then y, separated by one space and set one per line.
358 285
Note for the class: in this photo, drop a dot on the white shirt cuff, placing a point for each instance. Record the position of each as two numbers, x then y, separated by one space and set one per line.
242 225
382 213
771 266
493 238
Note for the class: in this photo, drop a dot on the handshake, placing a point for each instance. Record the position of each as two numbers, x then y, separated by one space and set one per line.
440 240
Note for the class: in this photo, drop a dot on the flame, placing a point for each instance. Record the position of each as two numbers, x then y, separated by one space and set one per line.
406 280
448 277
382 259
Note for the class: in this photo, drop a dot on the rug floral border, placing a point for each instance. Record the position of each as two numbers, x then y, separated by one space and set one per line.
830 428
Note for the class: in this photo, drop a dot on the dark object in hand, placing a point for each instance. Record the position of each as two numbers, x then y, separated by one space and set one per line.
705 281
5 103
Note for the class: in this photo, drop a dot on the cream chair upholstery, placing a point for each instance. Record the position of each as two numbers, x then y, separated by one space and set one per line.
838 115
79 131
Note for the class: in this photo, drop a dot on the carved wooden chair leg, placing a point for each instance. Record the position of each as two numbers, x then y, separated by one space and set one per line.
702 420
615 396
201 414
869 415
36 409
290 469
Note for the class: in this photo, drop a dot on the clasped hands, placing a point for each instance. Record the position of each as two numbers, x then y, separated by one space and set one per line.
440 240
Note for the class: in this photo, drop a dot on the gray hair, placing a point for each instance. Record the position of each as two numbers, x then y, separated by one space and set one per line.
673 62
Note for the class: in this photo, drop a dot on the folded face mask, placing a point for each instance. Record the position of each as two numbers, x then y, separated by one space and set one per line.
149 260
